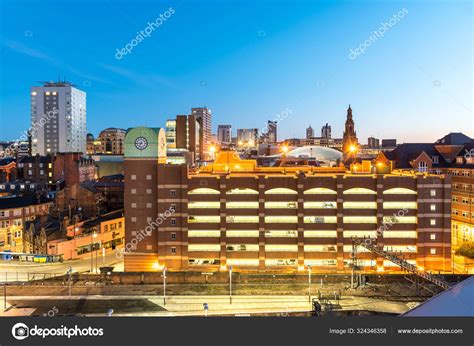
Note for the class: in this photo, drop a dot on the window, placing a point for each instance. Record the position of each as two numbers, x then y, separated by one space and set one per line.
173 235
148 205
148 191
435 159
134 205
134 219
422 166
133 177
133 191
148 177
173 207
433 222
173 221
433 251
173 193
432 193
433 236
433 207
173 249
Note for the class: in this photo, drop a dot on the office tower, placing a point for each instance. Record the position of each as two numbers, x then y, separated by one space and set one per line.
188 135
309 132
349 138
272 131
247 137
58 118
224 133
326 131
373 143
204 118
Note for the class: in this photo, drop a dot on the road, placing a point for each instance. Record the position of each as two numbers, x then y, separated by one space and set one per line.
23 271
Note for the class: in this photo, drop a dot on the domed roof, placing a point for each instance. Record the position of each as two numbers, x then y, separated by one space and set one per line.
317 152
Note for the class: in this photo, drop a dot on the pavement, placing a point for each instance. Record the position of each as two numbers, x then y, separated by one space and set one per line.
24 271
97 305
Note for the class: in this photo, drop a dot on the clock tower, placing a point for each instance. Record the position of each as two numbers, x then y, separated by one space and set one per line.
145 149
349 138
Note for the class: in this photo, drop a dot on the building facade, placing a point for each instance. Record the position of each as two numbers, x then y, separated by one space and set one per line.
14 213
224 134
203 117
58 118
234 213
309 132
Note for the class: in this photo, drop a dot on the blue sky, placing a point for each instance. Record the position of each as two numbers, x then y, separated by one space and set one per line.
247 61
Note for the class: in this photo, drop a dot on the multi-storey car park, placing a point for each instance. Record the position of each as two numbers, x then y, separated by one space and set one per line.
233 213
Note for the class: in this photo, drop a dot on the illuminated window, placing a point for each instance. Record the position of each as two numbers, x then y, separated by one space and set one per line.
320 262
319 191
400 234
399 191
242 247
203 191
433 222
400 248
242 262
242 219
204 219
319 205
359 191
360 205
320 234
360 219
281 248
433 236
243 191
242 205
399 219
320 248
360 234
280 191
281 219
432 193
204 205
433 207
320 219
204 247
236 234
281 234
281 205
399 205
202 233
281 262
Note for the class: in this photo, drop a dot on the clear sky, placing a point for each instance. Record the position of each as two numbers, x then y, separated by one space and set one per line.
247 61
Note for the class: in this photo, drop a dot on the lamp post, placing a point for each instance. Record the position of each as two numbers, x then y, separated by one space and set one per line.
164 285
93 235
230 284
309 284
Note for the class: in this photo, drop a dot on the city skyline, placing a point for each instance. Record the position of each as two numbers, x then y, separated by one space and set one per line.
276 64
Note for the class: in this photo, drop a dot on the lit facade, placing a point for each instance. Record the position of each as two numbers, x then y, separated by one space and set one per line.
58 118
234 213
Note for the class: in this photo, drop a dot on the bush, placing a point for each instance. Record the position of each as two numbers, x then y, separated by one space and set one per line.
466 250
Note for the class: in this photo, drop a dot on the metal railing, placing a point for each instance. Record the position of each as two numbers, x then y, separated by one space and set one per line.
403 264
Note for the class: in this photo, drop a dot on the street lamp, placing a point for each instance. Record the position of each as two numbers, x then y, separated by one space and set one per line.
230 284
309 284
93 235
284 150
164 285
